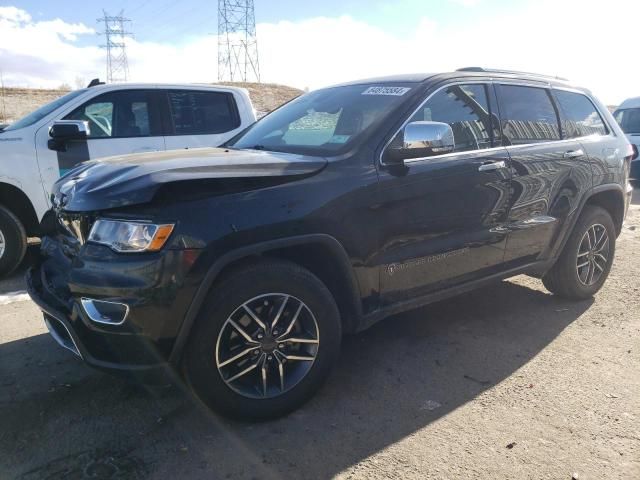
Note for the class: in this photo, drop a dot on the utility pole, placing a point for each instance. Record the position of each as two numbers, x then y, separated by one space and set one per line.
237 43
115 32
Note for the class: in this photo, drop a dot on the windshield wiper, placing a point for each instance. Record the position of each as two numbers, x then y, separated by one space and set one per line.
258 147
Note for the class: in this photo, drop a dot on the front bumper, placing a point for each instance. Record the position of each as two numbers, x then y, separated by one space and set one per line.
62 327
157 288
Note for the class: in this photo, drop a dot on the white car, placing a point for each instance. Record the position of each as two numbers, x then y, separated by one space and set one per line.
628 116
100 121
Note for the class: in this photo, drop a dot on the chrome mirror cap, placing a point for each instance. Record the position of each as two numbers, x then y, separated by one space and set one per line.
420 139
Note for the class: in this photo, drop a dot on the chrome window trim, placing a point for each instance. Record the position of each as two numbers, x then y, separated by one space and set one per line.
499 81
453 154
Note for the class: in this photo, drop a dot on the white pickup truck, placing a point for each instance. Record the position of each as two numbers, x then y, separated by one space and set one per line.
100 121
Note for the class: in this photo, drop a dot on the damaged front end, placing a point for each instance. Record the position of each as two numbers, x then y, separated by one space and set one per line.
129 240
119 312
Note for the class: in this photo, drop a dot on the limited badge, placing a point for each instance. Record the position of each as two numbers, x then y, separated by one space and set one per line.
394 91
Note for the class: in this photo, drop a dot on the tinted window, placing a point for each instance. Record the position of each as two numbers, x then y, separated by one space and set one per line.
466 109
116 114
197 113
528 116
580 116
629 119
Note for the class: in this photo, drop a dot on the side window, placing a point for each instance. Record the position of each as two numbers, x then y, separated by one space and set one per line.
116 114
199 113
466 109
581 118
528 115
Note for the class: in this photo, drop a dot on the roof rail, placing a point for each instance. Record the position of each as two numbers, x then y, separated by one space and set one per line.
515 72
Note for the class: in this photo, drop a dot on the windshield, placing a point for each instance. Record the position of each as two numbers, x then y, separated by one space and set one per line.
629 119
43 111
324 122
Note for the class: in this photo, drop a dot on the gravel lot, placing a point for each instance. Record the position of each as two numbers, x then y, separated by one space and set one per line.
505 382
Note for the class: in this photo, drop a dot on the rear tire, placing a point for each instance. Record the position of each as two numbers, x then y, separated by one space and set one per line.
13 242
586 260
277 379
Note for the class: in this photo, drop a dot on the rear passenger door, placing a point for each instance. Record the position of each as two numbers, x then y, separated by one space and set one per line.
199 118
582 120
549 171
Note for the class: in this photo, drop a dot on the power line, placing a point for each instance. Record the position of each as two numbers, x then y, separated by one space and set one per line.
115 34
237 43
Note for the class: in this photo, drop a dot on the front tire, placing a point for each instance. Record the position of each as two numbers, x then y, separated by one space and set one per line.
264 342
13 242
586 260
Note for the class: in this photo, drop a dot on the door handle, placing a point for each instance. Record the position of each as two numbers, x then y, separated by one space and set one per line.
574 153
490 166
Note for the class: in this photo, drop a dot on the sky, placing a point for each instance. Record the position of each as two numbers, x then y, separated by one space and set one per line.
314 44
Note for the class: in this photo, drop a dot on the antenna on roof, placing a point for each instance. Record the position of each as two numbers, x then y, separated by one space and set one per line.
95 82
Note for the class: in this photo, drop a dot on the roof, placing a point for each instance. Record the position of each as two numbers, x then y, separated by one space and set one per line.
464 72
201 86
630 103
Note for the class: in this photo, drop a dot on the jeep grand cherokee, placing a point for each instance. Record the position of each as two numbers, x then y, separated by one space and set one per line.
242 267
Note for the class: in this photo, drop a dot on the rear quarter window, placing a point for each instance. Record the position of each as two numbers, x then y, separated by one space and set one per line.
580 116
199 113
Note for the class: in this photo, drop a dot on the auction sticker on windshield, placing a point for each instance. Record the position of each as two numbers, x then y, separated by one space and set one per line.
397 91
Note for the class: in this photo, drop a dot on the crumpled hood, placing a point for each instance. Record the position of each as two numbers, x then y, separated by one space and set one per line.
134 179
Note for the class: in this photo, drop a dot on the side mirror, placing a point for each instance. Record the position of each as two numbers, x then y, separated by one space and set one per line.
63 131
418 140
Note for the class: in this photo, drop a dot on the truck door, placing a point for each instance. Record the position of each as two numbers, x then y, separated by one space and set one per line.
120 122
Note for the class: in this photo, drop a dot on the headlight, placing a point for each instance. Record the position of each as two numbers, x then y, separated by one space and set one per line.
123 236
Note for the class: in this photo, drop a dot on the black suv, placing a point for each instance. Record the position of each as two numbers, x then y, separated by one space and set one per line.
241 267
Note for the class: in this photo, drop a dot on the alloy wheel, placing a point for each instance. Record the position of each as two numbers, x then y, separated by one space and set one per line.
267 345
593 255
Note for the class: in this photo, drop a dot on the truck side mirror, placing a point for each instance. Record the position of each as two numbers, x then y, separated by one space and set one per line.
418 140
63 131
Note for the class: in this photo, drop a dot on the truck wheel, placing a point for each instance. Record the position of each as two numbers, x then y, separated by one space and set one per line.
587 257
13 242
264 342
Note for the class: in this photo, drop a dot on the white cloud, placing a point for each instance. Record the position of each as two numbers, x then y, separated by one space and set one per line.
14 14
583 40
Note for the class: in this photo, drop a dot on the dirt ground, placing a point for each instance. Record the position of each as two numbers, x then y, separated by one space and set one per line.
507 382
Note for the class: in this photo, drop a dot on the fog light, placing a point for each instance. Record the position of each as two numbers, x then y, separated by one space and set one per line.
102 311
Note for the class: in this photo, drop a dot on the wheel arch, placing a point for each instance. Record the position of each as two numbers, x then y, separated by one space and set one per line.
20 205
611 198
321 254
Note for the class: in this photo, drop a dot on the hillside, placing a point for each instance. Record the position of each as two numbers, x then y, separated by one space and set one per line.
17 102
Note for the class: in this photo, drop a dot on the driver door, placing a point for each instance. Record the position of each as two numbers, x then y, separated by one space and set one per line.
444 215
120 122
